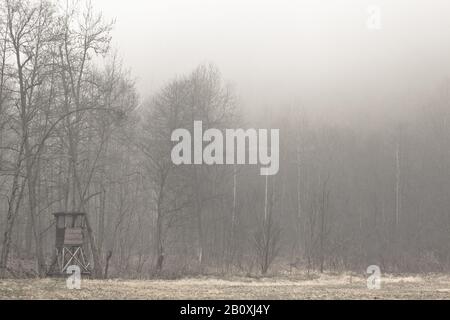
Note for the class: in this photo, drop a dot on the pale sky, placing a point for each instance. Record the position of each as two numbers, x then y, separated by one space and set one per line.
317 53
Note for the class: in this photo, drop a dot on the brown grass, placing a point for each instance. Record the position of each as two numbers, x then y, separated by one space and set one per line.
299 287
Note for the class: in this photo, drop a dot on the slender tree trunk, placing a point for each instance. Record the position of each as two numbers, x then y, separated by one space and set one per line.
299 219
101 218
95 254
13 210
233 241
159 226
198 216
29 163
397 186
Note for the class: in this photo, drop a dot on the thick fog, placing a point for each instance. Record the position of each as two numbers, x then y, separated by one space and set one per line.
92 112
317 54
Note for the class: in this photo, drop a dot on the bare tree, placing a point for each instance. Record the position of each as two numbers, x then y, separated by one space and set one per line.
267 238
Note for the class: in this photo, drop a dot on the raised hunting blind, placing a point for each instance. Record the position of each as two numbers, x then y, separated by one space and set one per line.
69 243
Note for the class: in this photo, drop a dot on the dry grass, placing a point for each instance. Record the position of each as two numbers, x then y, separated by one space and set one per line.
298 287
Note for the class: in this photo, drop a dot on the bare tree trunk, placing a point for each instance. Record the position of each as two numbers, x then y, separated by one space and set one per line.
108 257
266 199
101 218
29 163
159 226
14 202
299 219
32 202
94 250
397 186
198 216
323 210
233 241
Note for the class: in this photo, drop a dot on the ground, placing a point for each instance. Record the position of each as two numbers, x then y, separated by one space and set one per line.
290 287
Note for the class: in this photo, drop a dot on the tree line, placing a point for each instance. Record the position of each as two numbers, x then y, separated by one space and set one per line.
75 136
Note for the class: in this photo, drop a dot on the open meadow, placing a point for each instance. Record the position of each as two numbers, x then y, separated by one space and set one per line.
299 287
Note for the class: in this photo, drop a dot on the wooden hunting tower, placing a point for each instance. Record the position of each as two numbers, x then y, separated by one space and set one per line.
70 229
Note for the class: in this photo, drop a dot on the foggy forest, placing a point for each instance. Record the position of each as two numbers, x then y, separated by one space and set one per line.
78 135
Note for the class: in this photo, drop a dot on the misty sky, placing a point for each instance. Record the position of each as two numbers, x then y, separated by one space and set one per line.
319 54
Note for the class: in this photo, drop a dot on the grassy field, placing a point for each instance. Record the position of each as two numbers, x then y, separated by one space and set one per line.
299 287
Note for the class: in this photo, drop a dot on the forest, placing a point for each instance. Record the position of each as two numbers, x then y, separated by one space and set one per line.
75 136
